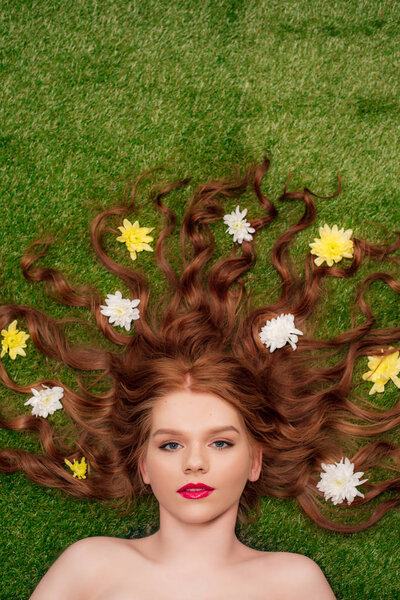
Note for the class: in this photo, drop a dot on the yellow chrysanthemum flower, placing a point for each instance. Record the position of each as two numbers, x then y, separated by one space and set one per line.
135 237
333 245
79 468
14 341
383 369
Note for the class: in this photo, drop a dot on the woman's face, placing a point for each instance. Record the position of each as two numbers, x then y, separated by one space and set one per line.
194 454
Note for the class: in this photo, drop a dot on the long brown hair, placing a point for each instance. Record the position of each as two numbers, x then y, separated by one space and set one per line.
206 327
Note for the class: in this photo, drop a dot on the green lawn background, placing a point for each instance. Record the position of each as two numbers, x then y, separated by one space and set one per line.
94 93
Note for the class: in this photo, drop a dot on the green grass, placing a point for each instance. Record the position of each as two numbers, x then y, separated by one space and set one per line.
94 93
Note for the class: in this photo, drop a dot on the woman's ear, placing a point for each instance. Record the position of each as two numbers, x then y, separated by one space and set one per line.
143 470
256 463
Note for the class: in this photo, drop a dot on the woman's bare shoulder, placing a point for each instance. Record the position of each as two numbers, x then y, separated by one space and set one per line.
125 545
300 576
94 546
66 579
98 542
287 559
91 549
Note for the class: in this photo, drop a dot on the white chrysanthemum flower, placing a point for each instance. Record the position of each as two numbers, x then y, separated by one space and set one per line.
121 311
280 331
46 401
339 482
238 226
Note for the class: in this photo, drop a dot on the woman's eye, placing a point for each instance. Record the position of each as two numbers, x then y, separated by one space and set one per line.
168 444
222 442
164 446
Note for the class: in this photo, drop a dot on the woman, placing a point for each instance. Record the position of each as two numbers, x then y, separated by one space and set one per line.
195 553
201 365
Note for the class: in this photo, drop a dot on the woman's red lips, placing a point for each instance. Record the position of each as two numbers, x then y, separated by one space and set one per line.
197 486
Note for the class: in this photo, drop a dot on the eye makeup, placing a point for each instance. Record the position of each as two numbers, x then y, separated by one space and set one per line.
163 447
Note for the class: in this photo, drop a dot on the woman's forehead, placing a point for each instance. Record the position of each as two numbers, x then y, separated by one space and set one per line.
192 408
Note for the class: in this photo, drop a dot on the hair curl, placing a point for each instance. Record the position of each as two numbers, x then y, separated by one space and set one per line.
299 412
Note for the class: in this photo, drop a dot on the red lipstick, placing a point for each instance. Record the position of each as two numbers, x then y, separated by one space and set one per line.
195 490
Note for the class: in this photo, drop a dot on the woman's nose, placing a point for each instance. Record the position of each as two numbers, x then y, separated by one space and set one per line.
195 458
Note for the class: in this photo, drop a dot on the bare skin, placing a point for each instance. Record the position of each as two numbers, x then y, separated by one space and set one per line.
195 553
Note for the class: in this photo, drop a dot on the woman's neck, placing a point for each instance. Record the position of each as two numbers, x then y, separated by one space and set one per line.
194 545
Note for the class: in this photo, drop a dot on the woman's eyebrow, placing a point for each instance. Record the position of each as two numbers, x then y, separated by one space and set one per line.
215 430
